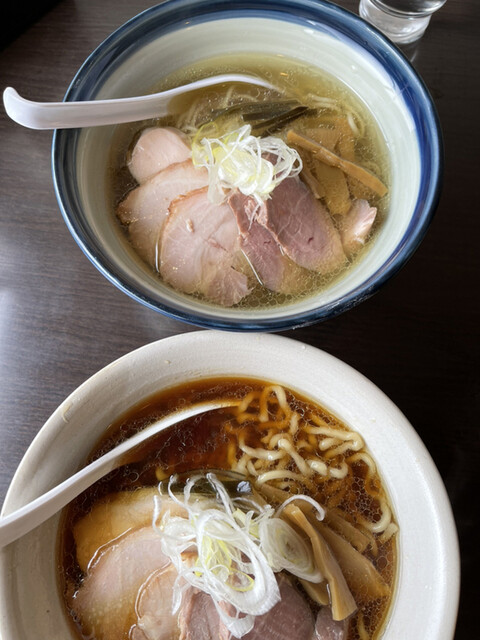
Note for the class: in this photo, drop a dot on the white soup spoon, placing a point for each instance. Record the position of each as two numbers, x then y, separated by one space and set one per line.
92 113
17 524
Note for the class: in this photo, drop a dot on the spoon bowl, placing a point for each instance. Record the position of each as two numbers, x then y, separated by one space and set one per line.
93 113
20 522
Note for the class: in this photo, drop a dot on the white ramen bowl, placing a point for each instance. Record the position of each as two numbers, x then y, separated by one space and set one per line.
426 594
181 32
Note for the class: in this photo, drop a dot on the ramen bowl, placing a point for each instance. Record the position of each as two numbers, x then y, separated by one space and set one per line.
178 33
425 595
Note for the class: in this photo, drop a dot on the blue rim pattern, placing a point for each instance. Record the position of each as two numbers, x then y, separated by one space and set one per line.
320 14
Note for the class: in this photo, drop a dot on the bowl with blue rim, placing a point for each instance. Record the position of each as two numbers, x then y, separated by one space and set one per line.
313 45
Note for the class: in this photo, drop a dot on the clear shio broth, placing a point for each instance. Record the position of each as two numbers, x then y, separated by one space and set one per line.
310 86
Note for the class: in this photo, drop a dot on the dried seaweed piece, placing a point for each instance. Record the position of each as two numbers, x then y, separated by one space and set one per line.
269 110
255 110
268 127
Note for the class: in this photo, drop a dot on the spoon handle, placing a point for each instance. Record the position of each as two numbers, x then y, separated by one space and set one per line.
23 520
71 115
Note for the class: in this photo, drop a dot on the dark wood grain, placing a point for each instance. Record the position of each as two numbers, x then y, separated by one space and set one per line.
417 339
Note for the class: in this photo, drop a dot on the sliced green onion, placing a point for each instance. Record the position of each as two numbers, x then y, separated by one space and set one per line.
239 545
238 160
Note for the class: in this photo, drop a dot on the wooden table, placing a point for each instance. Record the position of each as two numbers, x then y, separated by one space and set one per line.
417 339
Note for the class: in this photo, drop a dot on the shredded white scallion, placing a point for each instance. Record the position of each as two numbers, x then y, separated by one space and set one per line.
320 510
285 549
231 548
240 160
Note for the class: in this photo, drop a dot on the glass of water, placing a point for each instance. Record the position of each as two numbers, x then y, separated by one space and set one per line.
402 21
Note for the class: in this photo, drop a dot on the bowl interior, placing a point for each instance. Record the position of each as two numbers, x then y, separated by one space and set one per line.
426 594
161 41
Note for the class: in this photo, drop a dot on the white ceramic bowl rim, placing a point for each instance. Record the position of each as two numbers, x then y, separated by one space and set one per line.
426 598
320 15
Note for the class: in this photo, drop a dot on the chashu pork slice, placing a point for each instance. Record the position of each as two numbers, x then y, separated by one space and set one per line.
156 149
104 605
302 227
199 248
145 208
355 226
154 608
271 266
199 619
290 619
114 515
326 628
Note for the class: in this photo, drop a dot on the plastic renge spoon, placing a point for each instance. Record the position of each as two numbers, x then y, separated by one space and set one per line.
93 113
17 524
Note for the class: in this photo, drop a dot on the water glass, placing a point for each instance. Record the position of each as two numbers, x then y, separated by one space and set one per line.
402 21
